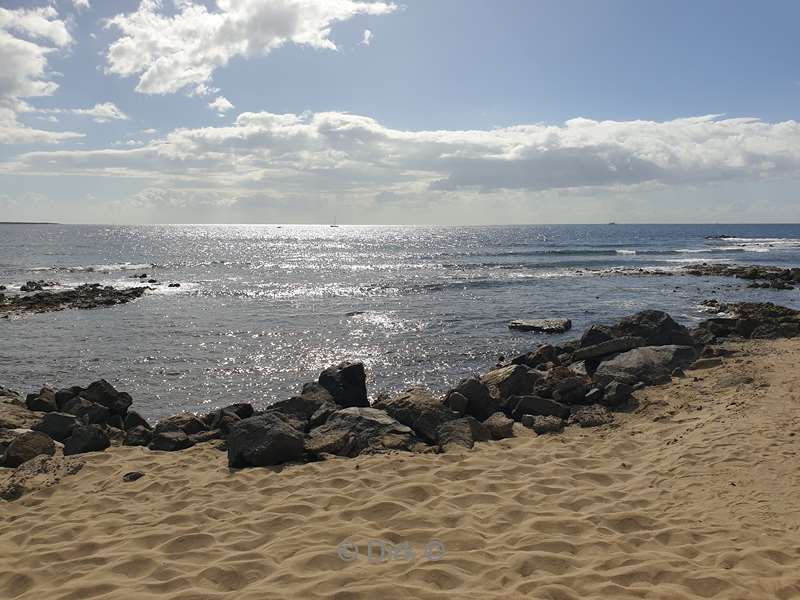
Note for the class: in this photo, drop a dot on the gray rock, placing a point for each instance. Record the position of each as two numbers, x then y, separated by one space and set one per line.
571 390
596 334
185 422
534 405
418 409
44 401
103 393
656 327
262 441
457 402
480 403
58 426
86 438
322 414
705 363
170 441
500 426
544 354
593 396
298 409
314 391
14 415
513 380
543 424
541 325
463 432
134 419
87 411
616 393
27 446
66 394
594 415
612 346
358 430
346 383
138 436
650 364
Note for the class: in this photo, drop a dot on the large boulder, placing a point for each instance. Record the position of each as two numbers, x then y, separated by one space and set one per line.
103 393
615 394
596 334
169 441
314 391
44 401
298 410
612 346
27 446
542 424
185 422
58 426
346 383
656 327
541 356
66 394
138 436
418 409
264 440
481 404
463 432
649 364
513 380
86 410
86 438
357 430
541 325
134 419
571 390
500 426
535 405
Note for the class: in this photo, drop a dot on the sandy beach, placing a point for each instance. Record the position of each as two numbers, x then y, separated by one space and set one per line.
693 495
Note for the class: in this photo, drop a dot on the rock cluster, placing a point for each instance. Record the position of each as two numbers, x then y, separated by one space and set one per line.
778 278
90 295
747 320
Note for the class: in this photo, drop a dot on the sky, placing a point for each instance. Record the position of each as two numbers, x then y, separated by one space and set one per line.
414 112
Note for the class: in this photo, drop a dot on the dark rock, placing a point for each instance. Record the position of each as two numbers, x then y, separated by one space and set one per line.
87 411
594 415
542 325
357 430
480 403
298 410
206 436
134 419
185 422
463 432
174 285
678 372
513 380
264 440
543 424
571 390
534 405
170 440
222 419
44 401
596 334
314 391
418 409
132 476
593 396
543 355
612 346
27 446
499 426
84 296
650 364
457 402
66 394
616 393
103 393
138 436
322 414
58 426
656 327
86 438
115 435
347 383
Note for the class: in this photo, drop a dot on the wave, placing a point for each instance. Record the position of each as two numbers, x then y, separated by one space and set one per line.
126 266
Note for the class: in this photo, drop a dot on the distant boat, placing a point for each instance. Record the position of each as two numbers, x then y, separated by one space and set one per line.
611 223
334 223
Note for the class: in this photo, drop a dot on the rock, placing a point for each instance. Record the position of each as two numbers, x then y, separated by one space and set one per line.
38 473
134 419
616 393
103 393
457 402
14 416
44 401
27 446
83 296
593 396
543 424
347 383
174 285
86 438
221 419
87 411
298 410
542 325
571 390
170 440
463 432
612 346
262 441
678 372
66 394
184 422
138 436
418 409
656 327
649 364
594 415
132 476
513 380
206 436
322 414
596 334
534 405
357 430
480 403
705 363
500 426
116 435
58 426
581 368
543 355
314 391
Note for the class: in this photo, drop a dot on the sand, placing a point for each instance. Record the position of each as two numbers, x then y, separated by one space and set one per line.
696 495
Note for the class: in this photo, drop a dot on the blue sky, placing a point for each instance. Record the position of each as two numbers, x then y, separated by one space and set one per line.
454 111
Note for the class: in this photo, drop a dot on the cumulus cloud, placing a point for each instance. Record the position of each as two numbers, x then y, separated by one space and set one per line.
337 152
367 39
81 4
221 104
170 52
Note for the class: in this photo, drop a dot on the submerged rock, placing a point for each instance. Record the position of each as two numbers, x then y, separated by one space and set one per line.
541 325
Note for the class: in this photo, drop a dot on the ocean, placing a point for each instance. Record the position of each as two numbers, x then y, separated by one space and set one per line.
263 308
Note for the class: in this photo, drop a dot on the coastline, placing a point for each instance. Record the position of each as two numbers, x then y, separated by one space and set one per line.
692 495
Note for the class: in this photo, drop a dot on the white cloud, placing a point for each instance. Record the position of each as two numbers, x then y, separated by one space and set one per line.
14 132
179 51
342 153
81 4
221 104
367 39
100 113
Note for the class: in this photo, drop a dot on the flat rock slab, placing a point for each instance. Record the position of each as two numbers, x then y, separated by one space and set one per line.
541 325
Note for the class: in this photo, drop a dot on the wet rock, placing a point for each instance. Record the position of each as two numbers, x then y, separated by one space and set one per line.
58 426
462 432
534 405
357 430
418 409
170 440
84 296
27 446
264 440
543 424
596 334
594 415
347 384
86 438
541 325
500 426
541 356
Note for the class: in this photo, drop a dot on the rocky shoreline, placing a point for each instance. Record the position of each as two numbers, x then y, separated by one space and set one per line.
583 382
34 299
